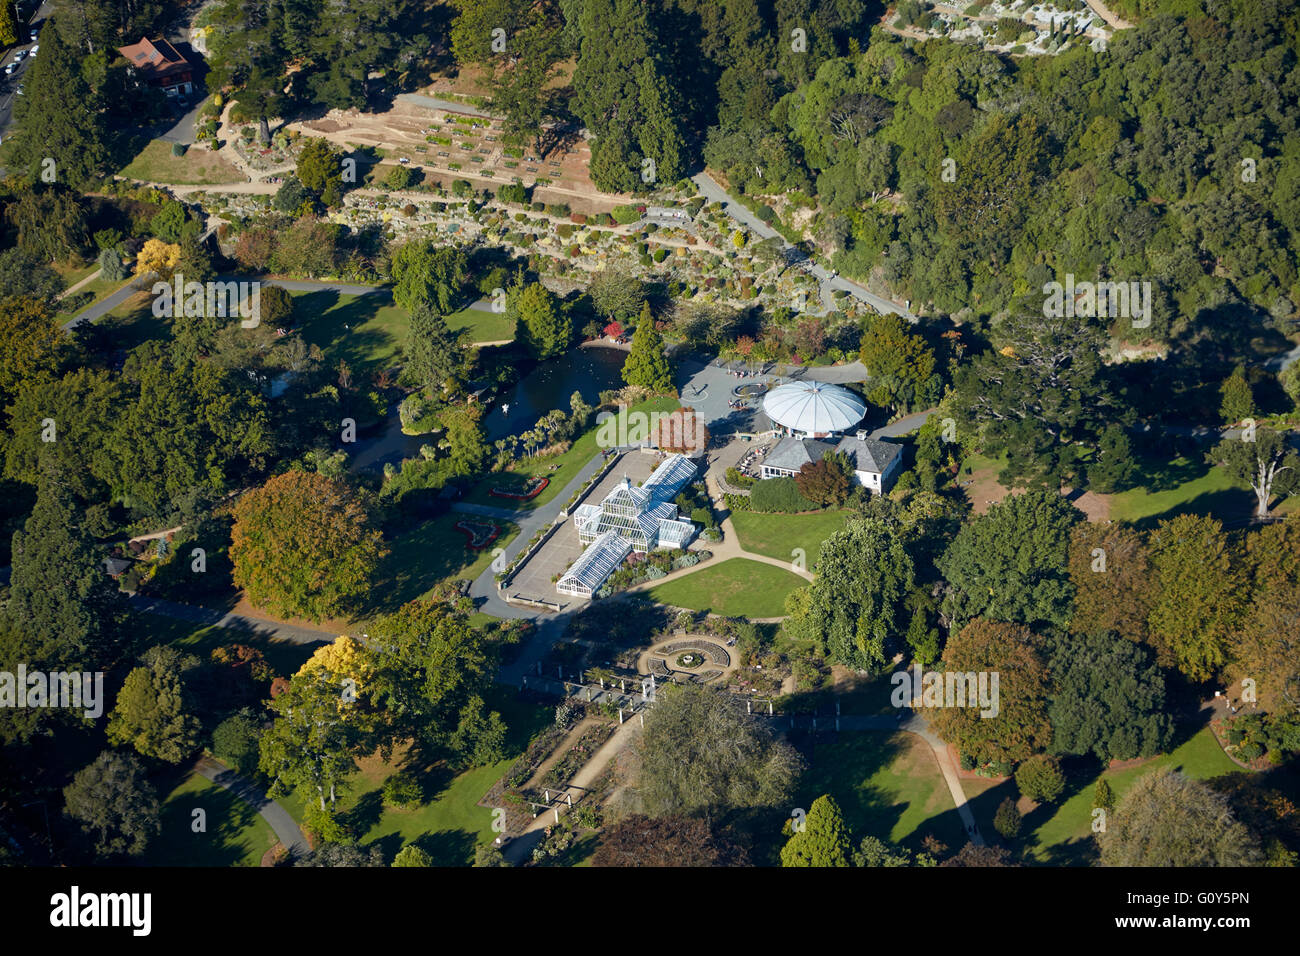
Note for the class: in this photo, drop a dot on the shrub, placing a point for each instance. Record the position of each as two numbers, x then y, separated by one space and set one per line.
402 790
778 494
1040 779
178 149
1007 820
626 214
234 741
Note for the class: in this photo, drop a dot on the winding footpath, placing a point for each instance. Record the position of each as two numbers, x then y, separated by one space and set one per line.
276 816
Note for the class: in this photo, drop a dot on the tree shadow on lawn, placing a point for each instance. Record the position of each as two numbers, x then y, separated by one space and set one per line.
227 817
364 815
417 561
1232 506
336 328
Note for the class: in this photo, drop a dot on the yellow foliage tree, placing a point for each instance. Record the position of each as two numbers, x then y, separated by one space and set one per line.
157 258
344 660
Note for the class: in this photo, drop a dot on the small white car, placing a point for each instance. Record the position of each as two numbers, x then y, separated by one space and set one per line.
32 53
18 55
34 34
9 70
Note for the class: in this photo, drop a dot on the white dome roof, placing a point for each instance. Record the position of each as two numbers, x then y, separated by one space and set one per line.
814 407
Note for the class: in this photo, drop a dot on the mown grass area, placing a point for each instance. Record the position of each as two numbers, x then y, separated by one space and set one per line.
71 274
431 552
561 469
198 167
450 824
367 331
736 587
888 785
482 325
99 289
1180 486
1061 833
777 536
235 834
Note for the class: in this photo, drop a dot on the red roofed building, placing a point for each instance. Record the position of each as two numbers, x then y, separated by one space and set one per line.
157 63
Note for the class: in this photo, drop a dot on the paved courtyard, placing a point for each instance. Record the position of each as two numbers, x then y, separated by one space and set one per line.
534 581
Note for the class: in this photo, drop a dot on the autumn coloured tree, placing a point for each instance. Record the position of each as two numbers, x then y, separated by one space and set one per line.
1112 577
304 545
826 482
1021 727
639 840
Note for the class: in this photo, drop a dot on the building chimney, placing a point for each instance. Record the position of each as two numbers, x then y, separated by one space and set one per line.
862 434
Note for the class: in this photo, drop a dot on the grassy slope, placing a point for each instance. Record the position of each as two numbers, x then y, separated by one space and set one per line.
735 587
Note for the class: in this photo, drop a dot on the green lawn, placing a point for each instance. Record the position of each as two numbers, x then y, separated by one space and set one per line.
198 167
451 823
1187 485
367 331
235 835
429 553
482 326
99 289
561 469
778 535
736 587
888 785
1062 834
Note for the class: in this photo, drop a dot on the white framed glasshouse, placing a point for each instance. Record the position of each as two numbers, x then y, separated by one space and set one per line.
596 564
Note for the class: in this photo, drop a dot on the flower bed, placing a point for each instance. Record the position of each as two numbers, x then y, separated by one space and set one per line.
479 534
533 491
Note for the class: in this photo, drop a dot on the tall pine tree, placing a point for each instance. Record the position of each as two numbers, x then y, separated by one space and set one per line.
59 118
59 591
646 364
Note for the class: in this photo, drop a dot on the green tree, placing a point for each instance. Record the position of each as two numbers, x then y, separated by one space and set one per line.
1007 820
8 26
1103 797
431 669
1264 463
1200 594
58 589
897 360
60 118
1010 563
701 752
115 805
1108 698
823 838
309 747
542 323
235 740
646 364
150 714
1237 399
412 855
1040 779
320 169
433 352
1169 820
428 275
855 601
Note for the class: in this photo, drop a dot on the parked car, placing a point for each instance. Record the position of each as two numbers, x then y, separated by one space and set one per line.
34 33
19 55
32 53
9 70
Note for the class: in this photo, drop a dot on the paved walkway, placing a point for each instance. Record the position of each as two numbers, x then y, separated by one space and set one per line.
259 626
829 281
284 826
